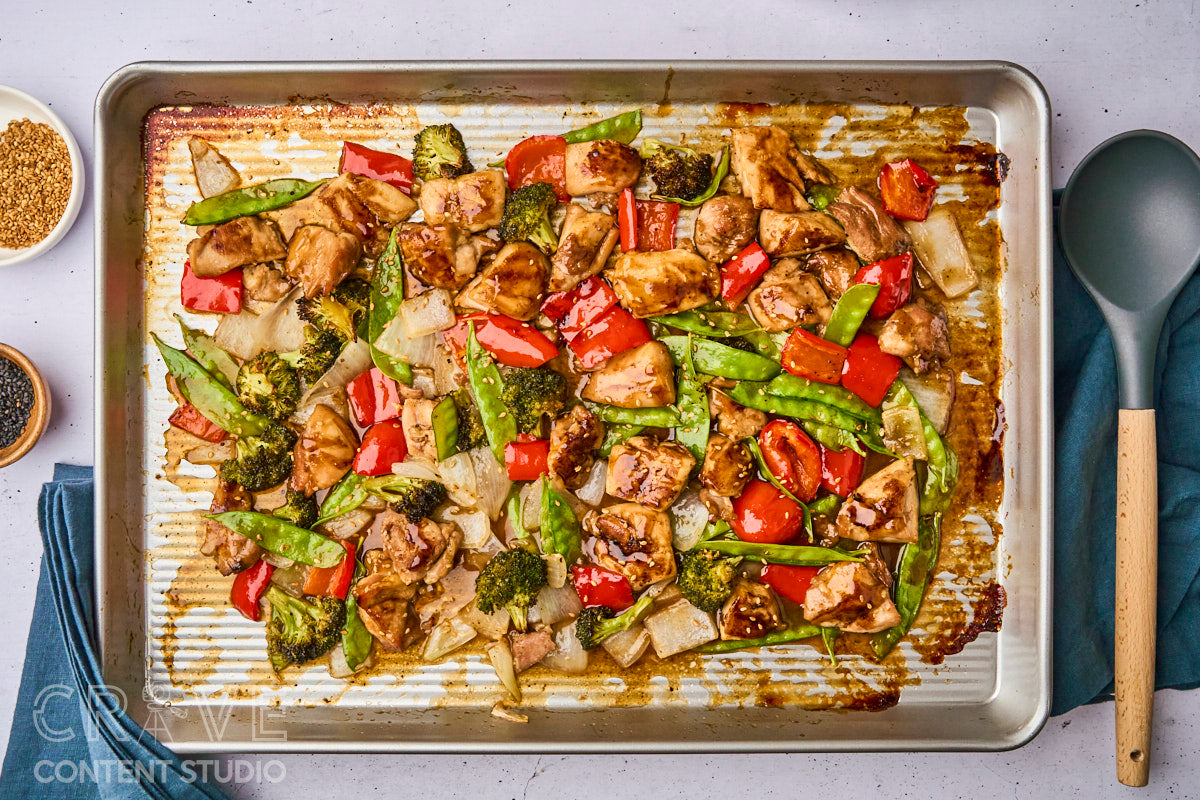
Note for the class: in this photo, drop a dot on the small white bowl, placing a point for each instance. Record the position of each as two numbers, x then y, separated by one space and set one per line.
15 105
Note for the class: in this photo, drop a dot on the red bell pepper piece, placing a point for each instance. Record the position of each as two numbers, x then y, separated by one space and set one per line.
740 273
374 397
841 470
332 581
248 588
189 419
526 460
382 446
576 310
614 332
894 278
792 457
764 514
510 341
646 224
539 159
597 586
789 581
809 356
868 371
386 167
222 294
907 190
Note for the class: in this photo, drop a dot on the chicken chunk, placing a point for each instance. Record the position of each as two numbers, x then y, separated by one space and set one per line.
324 451
664 282
383 599
835 269
727 466
237 243
719 508
813 170
797 233
724 226
883 508
320 258
634 541
265 282
513 283
750 612
603 165
232 551
918 335
473 202
574 438
874 561
648 471
764 160
529 648
870 232
788 296
422 550
586 242
417 421
733 419
848 596
354 204
441 256
643 377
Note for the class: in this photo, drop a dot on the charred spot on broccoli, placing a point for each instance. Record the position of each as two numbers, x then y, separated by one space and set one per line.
314 358
527 216
597 623
302 629
300 509
266 384
328 314
440 153
511 580
705 580
355 295
261 461
470 423
678 172
415 498
531 393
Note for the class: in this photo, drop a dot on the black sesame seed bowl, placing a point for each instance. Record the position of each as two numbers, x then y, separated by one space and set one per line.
24 405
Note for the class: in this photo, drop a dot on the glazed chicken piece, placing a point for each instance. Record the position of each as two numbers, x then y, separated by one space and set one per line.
750 612
764 160
473 202
727 466
354 204
586 242
648 471
529 648
848 596
513 283
733 419
835 269
643 377
422 550
719 508
870 232
634 541
237 243
574 439
883 508
265 282
416 419
874 561
788 296
324 451
603 165
441 256
812 170
664 282
232 551
918 335
383 598
320 258
724 226
797 233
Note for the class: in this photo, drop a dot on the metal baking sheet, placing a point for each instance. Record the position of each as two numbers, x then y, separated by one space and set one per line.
193 670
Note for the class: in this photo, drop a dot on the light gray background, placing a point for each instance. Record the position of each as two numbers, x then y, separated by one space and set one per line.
1108 67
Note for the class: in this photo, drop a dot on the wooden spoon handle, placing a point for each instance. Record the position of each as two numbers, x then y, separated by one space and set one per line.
1136 590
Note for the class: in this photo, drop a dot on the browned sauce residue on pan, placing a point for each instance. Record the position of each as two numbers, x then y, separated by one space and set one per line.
988 611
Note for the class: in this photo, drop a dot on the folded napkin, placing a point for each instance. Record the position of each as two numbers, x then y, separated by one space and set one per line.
57 742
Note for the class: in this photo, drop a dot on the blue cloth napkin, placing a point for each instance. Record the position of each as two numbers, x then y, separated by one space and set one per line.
57 741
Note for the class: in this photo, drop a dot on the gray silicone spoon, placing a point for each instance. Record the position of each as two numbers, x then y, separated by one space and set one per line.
1130 228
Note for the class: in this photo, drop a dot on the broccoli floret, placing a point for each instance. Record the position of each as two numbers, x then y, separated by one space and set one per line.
597 623
705 579
326 313
300 509
301 630
530 393
678 172
355 294
415 498
527 216
440 153
511 580
316 355
262 461
266 384
470 424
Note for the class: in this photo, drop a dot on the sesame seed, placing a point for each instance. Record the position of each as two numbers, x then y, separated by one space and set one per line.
35 182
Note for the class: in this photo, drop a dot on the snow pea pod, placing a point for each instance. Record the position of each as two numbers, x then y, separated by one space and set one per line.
788 385
345 496
849 313
794 634
710 190
941 462
211 398
283 538
714 358
624 128
755 396
356 639
825 506
208 354
249 201
692 402
718 324
766 344
914 570
655 417
795 554
387 293
487 386
559 530
615 434
831 437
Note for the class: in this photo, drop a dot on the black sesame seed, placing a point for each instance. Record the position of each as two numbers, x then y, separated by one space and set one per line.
16 401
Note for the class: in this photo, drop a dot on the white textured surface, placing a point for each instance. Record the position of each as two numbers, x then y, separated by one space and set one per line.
1107 66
